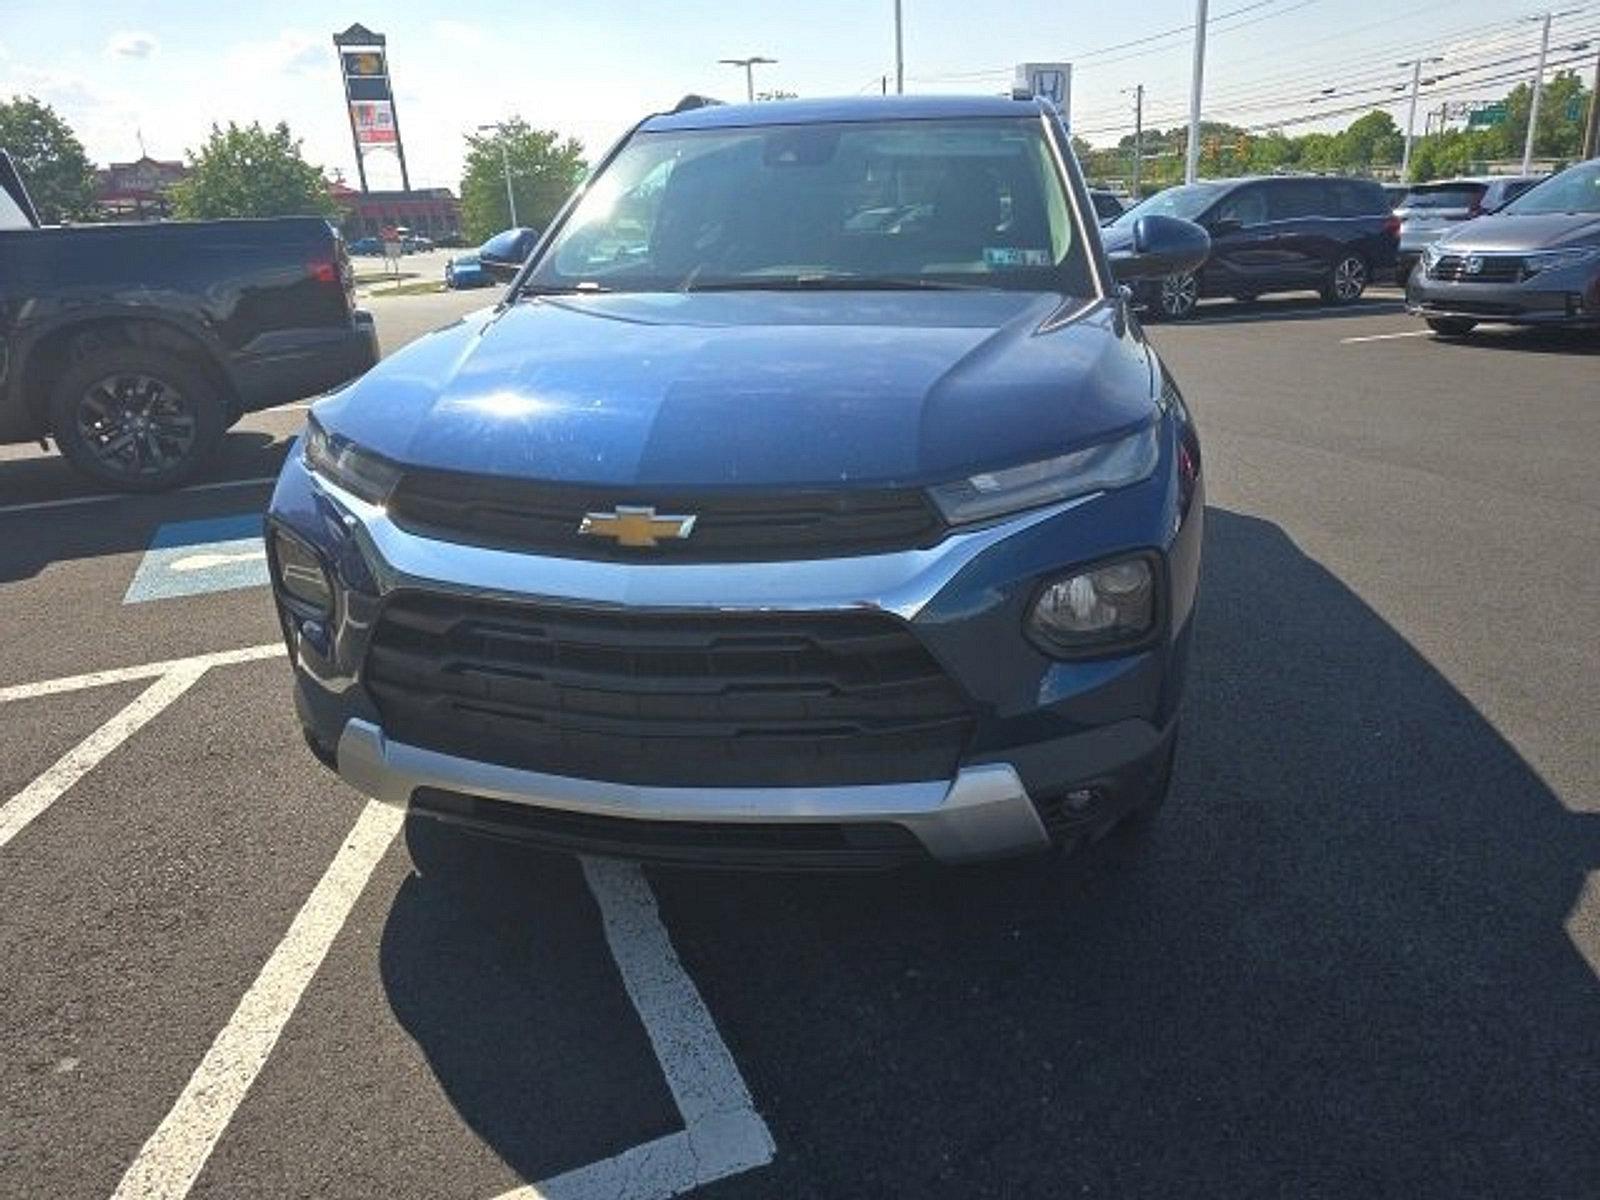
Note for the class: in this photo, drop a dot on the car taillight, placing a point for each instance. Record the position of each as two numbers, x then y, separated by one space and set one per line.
323 271
1392 226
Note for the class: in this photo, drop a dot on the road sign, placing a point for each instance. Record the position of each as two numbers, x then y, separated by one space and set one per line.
1049 81
1486 116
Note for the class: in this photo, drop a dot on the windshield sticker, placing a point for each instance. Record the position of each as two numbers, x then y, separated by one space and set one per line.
1001 257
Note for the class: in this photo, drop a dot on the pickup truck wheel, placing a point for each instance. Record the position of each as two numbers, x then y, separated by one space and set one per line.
1451 326
1177 296
138 420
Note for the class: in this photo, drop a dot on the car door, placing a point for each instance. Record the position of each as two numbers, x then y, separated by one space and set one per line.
1305 230
1241 262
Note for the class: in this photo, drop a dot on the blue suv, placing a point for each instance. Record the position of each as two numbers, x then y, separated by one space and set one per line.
812 498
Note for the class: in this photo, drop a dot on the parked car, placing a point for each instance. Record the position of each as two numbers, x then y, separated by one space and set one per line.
415 243
1394 193
1535 262
729 538
1432 209
1108 206
134 347
502 255
466 271
366 246
1272 234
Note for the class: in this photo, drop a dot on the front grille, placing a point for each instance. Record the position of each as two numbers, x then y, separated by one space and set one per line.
716 700
1492 268
790 845
730 526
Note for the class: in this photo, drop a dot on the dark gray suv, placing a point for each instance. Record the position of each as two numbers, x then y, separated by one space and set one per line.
1535 262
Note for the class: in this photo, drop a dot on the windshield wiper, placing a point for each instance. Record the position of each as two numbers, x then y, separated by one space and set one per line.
832 283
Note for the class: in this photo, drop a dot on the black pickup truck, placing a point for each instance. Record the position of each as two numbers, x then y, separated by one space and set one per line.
134 347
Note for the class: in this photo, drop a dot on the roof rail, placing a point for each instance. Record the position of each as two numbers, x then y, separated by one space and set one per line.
692 101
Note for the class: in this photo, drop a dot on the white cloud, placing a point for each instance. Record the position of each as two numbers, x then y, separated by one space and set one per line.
292 52
132 44
459 35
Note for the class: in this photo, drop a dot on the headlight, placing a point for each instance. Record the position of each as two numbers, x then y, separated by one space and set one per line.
1110 465
1430 255
1099 608
300 572
1552 260
344 464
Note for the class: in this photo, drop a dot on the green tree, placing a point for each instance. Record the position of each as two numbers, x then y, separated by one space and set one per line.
544 168
49 158
251 172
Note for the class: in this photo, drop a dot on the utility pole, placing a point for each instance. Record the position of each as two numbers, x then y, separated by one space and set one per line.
749 74
1191 169
1591 132
1138 133
1411 120
505 164
899 51
1538 95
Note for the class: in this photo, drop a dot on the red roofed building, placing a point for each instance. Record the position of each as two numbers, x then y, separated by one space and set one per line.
432 212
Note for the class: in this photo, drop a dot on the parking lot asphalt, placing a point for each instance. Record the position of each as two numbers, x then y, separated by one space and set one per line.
1357 955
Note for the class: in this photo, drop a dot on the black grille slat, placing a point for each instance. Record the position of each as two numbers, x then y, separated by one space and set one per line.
730 526
670 699
1493 268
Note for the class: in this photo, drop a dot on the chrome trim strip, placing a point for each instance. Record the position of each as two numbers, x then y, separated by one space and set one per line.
984 812
901 583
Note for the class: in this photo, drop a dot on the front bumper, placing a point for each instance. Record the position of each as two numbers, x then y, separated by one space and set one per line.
1568 297
1060 750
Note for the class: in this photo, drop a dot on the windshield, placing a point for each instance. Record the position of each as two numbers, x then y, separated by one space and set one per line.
1187 202
973 202
1575 190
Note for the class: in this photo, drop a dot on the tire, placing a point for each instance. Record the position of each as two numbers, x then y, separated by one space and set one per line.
1176 296
1347 280
1451 326
136 420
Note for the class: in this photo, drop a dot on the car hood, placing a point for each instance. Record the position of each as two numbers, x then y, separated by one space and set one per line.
754 388
1506 232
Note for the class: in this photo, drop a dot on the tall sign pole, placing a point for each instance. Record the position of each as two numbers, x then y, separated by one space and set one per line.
899 51
369 98
1197 86
1591 133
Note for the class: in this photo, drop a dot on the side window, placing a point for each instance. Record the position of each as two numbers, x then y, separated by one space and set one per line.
1352 198
1248 206
1294 199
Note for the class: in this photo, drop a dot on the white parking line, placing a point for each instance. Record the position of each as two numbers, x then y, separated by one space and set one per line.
169 1162
723 1133
18 812
76 501
76 683
1386 337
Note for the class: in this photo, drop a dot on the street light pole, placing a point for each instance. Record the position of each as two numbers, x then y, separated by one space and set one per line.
505 164
749 74
899 51
1591 132
1538 95
1138 133
1191 169
1411 121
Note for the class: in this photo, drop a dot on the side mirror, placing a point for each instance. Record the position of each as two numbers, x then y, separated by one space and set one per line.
1161 246
502 269
1224 225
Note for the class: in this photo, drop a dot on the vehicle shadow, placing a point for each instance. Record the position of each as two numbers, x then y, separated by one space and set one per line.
121 523
1335 966
1282 308
1564 342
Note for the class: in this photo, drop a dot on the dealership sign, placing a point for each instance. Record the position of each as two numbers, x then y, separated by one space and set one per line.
1048 81
369 97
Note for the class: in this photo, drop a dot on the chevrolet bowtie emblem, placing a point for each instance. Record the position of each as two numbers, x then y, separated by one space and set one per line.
630 526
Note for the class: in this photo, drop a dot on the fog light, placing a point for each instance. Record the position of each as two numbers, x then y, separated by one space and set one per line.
1102 608
300 573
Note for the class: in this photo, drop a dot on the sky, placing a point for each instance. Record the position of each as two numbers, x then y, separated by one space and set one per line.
167 69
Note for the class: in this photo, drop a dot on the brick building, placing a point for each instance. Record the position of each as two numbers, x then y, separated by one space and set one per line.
137 191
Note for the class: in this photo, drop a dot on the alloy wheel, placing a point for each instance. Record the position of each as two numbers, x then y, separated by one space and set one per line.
1349 279
136 424
1179 294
